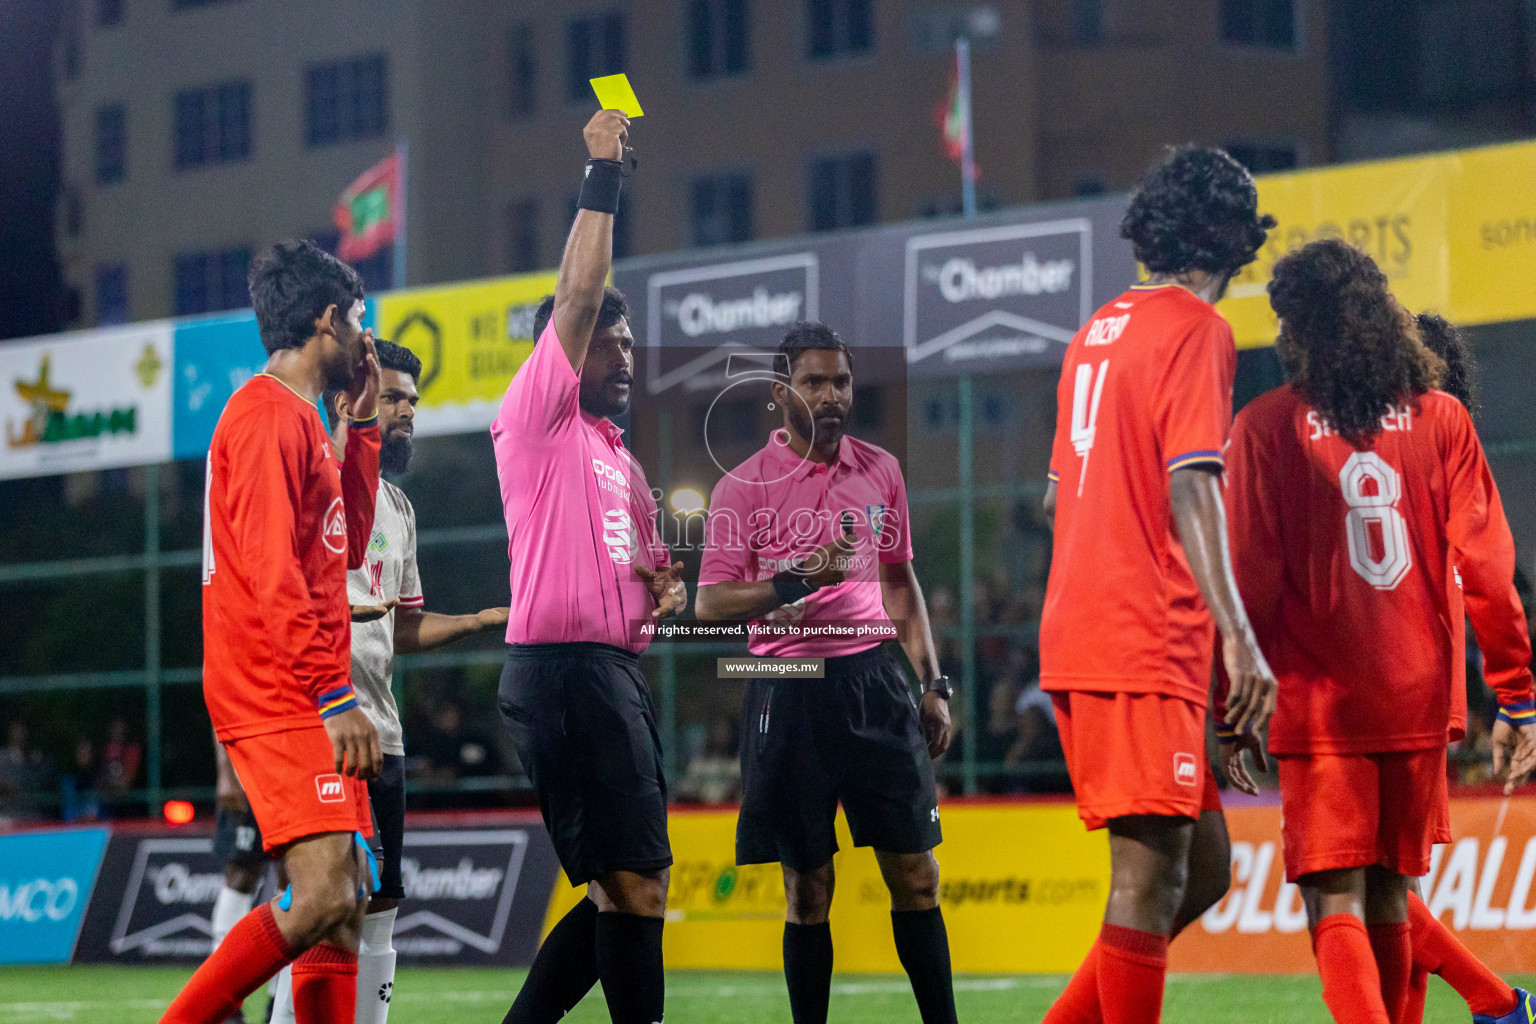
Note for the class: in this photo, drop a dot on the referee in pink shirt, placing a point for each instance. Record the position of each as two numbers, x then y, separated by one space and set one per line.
813 529
587 566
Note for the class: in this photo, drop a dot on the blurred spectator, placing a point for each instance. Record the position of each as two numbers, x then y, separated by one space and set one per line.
449 750
121 757
25 777
78 798
714 775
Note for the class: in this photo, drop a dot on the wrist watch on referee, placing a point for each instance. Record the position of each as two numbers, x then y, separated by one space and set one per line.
940 686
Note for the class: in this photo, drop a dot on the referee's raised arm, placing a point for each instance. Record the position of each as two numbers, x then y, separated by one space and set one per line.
589 249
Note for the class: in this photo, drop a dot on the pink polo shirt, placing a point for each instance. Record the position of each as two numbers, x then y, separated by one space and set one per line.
776 508
579 511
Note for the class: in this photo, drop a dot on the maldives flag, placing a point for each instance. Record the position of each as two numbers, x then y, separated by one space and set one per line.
950 118
368 211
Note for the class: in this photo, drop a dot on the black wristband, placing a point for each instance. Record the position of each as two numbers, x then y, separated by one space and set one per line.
790 586
600 187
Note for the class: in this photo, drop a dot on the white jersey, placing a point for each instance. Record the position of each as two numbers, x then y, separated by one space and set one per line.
388 572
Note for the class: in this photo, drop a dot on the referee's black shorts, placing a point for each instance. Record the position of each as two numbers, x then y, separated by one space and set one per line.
584 727
854 738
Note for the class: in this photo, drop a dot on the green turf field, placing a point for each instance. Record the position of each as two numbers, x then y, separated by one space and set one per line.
464 996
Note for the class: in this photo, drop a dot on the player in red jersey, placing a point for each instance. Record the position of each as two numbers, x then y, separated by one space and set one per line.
282 524
1359 493
1139 570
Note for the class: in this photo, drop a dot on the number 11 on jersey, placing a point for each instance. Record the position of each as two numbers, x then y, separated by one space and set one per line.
1087 389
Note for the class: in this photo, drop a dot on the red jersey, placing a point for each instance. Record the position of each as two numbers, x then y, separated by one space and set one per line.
1346 561
1146 388
282 523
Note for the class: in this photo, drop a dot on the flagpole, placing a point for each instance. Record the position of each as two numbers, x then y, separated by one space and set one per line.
967 154
397 272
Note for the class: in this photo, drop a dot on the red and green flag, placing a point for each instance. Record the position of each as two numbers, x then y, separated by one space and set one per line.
950 118
368 211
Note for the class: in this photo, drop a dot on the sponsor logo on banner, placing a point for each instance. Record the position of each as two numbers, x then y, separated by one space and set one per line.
998 293
215 356
459 887
83 401
723 308
46 880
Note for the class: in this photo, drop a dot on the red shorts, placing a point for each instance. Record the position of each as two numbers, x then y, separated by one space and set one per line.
1356 810
1135 753
290 779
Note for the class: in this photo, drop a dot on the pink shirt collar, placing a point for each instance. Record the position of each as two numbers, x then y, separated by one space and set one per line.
848 458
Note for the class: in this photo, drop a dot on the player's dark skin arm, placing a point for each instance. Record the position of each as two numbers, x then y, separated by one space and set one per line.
419 630
1201 520
903 599
741 602
589 249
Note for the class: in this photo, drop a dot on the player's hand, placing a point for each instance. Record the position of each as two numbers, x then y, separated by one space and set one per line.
933 717
606 135
1515 748
355 744
1236 766
370 612
492 618
827 566
666 587
1251 699
363 393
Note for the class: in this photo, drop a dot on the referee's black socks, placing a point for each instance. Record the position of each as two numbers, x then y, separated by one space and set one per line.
563 972
923 946
808 970
629 966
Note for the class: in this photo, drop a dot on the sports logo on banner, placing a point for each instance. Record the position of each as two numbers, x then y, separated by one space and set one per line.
87 400
998 295
46 880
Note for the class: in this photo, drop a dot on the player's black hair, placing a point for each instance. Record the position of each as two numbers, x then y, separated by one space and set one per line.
1442 338
1197 210
615 308
1348 346
391 357
291 285
807 335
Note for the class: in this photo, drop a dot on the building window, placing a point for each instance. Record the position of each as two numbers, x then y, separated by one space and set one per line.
109 12
213 125
522 72
1087 22
111 143
1264 159
594 46
523 235
347 100
622 236
717 38
835 28
842 191
207 282
721 208
111 294
1267 23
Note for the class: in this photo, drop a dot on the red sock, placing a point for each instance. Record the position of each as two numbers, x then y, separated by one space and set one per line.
1418 989
1351 983
252 952
325 986
1132 967
1079 1001
1439 952
1393 946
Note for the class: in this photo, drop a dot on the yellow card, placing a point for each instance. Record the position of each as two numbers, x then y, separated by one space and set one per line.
615 93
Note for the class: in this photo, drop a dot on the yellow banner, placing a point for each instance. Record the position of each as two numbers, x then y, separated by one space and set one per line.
1453 232
1022 886
471 339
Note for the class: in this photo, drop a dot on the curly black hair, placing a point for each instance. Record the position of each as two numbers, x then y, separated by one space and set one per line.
1442 338
1197 210
803 336
1348 347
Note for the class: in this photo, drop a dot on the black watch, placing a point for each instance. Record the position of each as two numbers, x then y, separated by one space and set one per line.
940 686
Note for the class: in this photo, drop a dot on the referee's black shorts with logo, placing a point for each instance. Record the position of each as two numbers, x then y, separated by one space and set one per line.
854 738
584 727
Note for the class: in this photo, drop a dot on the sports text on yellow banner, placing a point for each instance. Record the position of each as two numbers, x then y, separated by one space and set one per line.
615 93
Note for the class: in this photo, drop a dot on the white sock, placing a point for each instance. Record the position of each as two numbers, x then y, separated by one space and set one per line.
376 968
228 909
282 997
